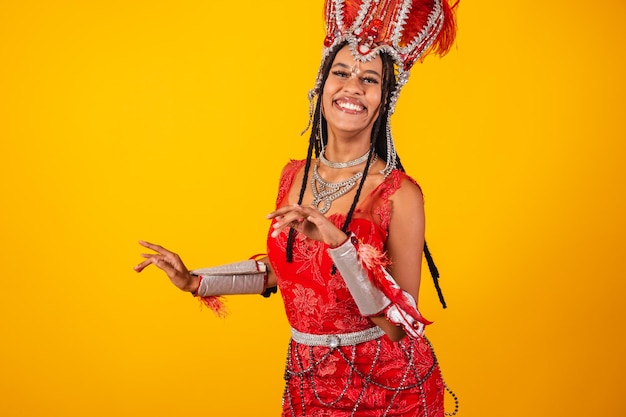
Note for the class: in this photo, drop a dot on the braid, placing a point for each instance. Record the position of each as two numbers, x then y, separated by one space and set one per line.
378 139
373 141
312 144
358 191
399 164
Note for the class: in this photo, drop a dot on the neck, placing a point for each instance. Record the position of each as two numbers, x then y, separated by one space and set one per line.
342 148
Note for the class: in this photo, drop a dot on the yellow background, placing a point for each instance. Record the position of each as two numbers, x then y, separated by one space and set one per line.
170 121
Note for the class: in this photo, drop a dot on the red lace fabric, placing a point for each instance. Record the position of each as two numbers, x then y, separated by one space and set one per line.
375 378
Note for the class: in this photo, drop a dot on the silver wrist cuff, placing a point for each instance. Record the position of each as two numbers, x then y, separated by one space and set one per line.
370 300
246 277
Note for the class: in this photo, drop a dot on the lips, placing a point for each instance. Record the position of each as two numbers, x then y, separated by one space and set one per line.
348 105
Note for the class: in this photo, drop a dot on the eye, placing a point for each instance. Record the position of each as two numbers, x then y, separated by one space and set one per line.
369 80
341 73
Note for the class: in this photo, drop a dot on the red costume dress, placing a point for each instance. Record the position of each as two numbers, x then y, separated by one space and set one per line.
374 378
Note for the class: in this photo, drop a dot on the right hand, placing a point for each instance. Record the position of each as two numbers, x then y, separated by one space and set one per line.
171 264
308 221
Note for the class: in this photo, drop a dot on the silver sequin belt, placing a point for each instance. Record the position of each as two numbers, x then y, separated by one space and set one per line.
335 340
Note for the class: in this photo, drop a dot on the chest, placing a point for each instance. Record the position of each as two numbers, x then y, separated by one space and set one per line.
332 192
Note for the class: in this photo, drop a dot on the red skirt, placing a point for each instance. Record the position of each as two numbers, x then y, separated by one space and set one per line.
376 378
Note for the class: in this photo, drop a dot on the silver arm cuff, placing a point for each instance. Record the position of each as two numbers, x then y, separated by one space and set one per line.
370 300
246 277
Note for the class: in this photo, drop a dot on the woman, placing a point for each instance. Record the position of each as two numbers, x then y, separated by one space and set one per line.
348 227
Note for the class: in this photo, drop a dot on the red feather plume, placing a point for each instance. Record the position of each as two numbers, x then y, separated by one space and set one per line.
374 261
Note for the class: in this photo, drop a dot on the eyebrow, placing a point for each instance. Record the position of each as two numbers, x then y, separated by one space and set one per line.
348 67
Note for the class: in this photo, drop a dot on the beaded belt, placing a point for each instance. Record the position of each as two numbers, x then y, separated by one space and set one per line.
334 340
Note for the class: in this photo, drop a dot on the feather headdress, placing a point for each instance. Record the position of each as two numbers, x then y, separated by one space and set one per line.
407 30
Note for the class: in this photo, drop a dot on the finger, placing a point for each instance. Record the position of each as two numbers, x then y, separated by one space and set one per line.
311 211
150 255
140 267
278 212
156 248
160 262
316 220
283 211
278 229
314 216
290 220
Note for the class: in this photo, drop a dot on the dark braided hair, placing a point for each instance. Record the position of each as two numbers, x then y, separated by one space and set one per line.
378 144
312 143
319 130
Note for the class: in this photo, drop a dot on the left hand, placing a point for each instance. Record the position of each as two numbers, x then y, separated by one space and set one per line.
308 221
170 263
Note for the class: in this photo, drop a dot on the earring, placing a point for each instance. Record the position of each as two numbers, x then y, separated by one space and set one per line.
320 132
312 95
391 151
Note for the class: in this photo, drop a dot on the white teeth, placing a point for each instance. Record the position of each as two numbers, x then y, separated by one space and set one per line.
350 106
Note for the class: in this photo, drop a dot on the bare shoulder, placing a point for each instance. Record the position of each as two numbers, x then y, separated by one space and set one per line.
292 166
408 194
288 177
294 171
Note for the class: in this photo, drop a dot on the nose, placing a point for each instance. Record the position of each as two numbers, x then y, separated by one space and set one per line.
353 84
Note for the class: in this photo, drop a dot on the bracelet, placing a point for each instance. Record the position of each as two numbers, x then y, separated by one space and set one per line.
268 290
195 292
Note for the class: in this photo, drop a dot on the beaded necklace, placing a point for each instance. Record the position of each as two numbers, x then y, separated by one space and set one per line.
324 192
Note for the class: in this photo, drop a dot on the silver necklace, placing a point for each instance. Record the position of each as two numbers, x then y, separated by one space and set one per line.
347 164
324 192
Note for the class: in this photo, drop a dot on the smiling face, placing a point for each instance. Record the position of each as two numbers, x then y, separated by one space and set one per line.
352 94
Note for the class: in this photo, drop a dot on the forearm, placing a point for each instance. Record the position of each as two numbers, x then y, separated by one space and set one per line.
374 290
394 332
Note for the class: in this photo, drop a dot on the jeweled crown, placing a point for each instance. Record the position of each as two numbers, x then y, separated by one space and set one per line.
407 30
